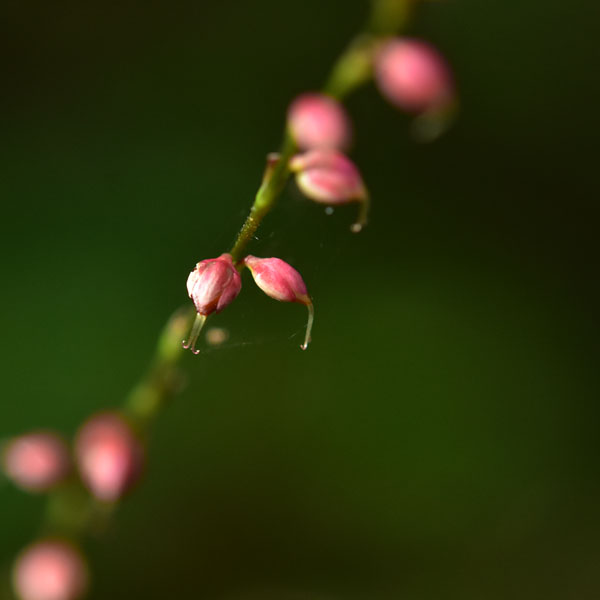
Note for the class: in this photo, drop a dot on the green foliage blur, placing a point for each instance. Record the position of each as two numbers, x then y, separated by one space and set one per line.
439 439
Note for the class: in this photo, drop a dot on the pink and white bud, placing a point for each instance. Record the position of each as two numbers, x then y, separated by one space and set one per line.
281 281
109 456
36 461
212 285
413 75
50 570
330 177
319 121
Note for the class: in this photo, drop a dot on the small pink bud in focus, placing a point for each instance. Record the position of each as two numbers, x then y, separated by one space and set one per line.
212 285
36 461
50 570
109 456
413 75
319 121
282 282
330 177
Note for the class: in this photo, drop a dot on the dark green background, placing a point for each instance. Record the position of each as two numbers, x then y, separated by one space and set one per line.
440 437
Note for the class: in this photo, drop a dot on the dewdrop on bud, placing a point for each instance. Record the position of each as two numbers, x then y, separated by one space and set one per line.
282 282
330 177
212 285
319 121
413 75
50 570
109 456
36 461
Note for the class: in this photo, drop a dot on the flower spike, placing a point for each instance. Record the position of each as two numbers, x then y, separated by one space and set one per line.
282 282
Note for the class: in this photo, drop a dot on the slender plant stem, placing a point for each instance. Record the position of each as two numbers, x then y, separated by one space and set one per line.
266 197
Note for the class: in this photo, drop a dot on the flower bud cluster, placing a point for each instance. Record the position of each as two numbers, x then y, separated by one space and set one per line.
107 455
413 76
322 131
216 282
108 458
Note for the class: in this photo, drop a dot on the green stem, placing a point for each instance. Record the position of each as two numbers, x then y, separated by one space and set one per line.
163 379
266 197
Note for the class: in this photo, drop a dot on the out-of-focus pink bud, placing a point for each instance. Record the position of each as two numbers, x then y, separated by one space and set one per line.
281 281
212 285
413 75
50 570
319 121
36 461
109 456
330 177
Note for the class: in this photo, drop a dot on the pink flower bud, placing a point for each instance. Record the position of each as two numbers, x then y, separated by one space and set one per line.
212 285
50 570
282 282
413 75
330 177
109 456
36 461
319 121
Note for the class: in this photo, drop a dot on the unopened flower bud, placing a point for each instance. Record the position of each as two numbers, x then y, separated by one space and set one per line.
319 121
109 456
281 281
413 75
50 570
330 177
36 461
212 285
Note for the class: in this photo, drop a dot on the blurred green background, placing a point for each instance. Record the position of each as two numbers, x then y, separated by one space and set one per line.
440 437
